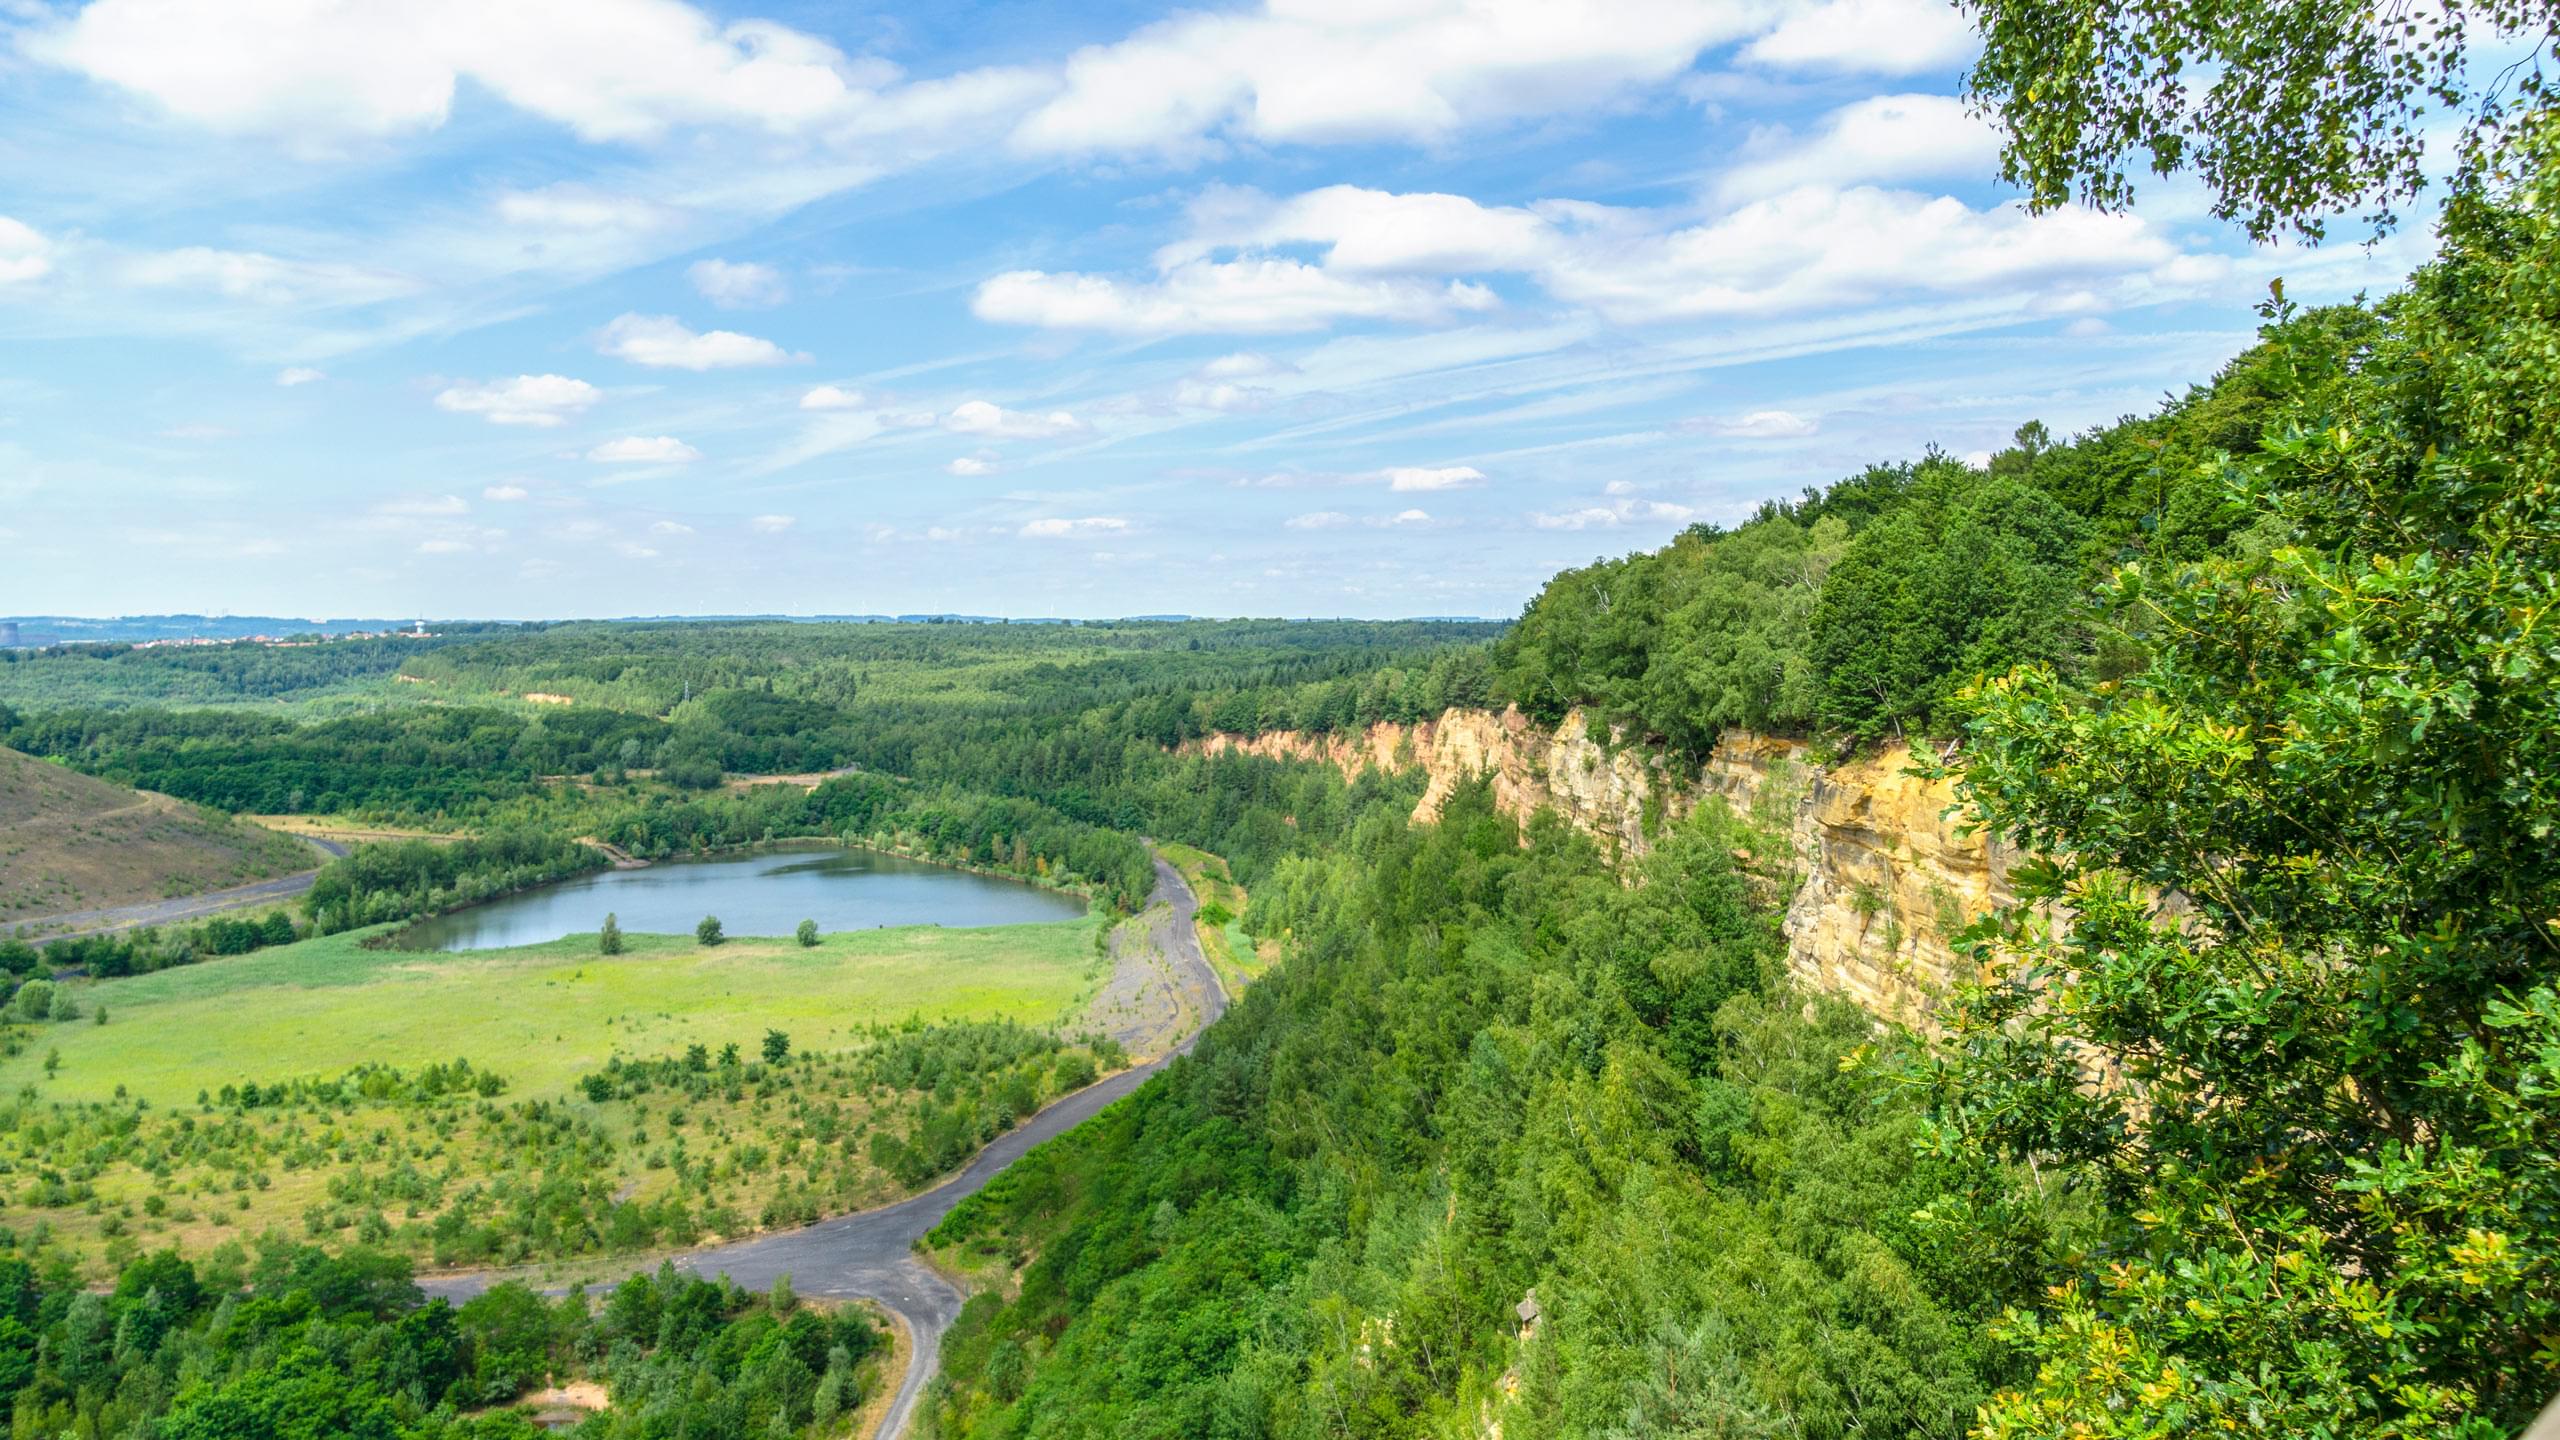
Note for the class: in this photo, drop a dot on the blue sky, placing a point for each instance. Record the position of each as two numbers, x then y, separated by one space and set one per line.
1330 307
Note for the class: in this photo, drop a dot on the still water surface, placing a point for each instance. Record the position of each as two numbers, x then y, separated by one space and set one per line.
766 892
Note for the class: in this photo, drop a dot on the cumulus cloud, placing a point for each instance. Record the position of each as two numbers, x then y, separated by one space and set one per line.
644 450
1620 512
1415 258
544 400
610 70
1088 527
1884 138
971 466
662 341
830 397
299 375
1758 425
1441 477
772 524
1325 73
1244 365
1888 37
738 285
981 417
1318 520
1409 517
669 527
505 493
24 254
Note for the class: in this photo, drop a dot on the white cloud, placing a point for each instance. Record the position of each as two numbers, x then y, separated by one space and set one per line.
980 417
1891 37
311 71
425 506
263 279
24 254
1244 365
1811 248
772 524
1223 396
1887 138
1602 517
1062 529
1318 520
570 206
830 397
544 400
1262 296
505 493
669 527
971 466
663 341
299 375
1443 477
738 285
644 450
1760 425
443 546
1333 71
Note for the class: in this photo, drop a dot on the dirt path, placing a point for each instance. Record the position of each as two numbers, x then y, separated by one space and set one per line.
872 1255
109 919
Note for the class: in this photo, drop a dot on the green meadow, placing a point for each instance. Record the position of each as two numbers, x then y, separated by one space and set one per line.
540 1015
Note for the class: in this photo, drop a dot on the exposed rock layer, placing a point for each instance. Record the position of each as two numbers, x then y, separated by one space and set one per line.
1889 875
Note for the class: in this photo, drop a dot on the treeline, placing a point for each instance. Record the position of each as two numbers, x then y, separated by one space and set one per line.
402 879
1862 609
1489 1075
300 1343
139 952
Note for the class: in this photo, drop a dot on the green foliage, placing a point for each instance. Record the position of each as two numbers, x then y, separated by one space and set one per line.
707 932
1965 578
1483 1069
2331 1130
807 934
777 1047
316 1347
2288 112
609 938
407 878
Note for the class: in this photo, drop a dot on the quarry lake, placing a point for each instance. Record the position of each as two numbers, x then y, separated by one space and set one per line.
762 892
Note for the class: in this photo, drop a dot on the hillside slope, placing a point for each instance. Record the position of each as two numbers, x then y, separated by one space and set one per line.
69 842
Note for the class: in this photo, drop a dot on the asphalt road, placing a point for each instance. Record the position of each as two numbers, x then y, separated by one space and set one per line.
110 919
871 1256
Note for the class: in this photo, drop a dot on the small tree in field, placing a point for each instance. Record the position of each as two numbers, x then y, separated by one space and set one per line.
777 1047
609 939
708 932
808 932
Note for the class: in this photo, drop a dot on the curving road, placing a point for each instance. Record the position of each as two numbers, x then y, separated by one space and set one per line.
871 1255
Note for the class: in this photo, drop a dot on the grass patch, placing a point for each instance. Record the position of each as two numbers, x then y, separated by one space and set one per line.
543 1014
1220 922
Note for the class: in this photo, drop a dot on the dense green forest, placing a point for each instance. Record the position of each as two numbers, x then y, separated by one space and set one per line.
299 1344
1513 1140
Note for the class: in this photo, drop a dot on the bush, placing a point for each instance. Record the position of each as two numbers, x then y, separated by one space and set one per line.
808 932
708 932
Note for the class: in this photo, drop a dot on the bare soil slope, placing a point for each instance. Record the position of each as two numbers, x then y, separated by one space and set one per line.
71 843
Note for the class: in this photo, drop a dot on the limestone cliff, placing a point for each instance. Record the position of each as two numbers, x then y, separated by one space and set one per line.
1889 875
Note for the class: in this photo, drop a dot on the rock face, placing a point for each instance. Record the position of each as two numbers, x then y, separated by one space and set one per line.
1890 877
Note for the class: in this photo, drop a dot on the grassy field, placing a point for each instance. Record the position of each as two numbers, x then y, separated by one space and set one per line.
69 842
542 1015
1231 952
116 1151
